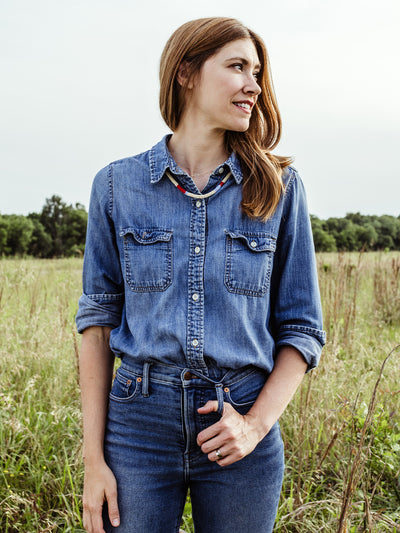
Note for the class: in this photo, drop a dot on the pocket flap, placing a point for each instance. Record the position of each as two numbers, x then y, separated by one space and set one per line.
256 242
147 236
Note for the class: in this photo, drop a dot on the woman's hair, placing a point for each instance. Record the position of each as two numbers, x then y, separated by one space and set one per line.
193 43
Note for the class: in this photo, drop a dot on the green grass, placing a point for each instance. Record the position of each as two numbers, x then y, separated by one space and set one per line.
40 410
342 440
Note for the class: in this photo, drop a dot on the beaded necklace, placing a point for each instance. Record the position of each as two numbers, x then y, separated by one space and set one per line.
200 196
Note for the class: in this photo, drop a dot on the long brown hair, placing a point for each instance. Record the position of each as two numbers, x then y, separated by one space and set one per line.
193 43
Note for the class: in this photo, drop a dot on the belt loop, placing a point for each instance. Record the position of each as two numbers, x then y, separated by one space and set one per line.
145 383
220 398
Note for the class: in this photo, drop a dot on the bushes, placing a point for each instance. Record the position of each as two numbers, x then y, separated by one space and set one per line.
356 232
58 231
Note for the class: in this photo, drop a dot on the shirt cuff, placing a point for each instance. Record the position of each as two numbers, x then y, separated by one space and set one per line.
99 310
308 341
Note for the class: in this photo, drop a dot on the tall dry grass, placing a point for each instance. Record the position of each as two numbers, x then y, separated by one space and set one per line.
40 463
341 431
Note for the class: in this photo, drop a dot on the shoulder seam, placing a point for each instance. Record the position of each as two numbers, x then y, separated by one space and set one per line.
292 176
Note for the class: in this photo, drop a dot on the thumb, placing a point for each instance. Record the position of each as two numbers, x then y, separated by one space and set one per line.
209 407
113 511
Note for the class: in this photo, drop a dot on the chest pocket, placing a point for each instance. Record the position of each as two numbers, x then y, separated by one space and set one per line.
248 263
147 258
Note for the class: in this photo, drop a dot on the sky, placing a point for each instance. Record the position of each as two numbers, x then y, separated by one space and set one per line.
80 88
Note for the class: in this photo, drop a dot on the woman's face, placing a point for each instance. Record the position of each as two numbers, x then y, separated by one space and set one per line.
223 95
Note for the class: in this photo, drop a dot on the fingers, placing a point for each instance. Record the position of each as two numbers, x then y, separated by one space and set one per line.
113 511
228 436
93 514
92 518
214 429
100 486
209 407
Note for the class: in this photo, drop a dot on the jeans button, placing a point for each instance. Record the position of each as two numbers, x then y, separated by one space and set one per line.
188 376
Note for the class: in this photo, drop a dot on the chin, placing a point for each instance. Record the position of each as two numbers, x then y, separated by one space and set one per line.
240 128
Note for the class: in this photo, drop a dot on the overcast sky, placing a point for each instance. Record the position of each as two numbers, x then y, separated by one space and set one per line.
79 88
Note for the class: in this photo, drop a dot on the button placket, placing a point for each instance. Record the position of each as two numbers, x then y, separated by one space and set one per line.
195 324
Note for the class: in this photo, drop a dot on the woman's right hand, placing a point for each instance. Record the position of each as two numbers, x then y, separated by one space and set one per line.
99 486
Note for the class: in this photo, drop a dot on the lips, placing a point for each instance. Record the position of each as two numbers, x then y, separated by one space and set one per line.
245 105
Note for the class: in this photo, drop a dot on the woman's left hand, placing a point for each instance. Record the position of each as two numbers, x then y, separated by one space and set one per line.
234 435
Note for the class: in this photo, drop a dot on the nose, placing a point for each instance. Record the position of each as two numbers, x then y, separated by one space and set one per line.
252 86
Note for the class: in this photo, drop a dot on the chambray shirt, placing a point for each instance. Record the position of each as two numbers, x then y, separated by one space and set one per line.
193 282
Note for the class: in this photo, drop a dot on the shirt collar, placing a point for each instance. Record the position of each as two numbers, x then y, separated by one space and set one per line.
161 159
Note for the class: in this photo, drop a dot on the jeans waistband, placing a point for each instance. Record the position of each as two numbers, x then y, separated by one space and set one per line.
186 376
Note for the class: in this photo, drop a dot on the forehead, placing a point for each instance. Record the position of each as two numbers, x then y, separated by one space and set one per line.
241 48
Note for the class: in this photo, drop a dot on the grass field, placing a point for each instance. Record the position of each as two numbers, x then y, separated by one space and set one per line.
341 432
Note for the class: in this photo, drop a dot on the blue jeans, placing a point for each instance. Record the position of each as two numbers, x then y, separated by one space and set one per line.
150 445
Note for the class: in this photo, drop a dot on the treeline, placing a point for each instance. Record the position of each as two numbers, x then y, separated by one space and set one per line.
60 231
356 232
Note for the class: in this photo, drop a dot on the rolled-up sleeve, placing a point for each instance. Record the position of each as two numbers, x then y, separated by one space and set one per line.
296 314
102 300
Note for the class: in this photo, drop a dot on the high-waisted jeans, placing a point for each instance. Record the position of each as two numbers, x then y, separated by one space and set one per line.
150 445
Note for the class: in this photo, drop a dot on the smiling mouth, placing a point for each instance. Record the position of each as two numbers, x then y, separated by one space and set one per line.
243 105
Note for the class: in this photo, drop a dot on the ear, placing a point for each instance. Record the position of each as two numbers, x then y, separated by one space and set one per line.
183 76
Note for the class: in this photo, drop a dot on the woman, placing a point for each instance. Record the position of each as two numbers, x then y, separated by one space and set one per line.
200 275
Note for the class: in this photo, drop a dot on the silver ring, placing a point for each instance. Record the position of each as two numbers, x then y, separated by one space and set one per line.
218 454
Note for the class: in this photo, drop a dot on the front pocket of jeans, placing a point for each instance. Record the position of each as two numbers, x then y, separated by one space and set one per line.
244 393
248 264
147 258
125 388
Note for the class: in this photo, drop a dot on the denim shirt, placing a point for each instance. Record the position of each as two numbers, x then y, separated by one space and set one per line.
195 281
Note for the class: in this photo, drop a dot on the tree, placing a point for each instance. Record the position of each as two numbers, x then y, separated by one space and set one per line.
66 226
3 235
41 243
366 236
323 241
52 219
74 230
19 234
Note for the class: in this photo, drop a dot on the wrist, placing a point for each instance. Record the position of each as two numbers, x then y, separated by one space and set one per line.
92 457
92 463
258 425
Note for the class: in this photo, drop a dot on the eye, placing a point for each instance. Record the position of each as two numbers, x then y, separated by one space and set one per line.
238 66
257 75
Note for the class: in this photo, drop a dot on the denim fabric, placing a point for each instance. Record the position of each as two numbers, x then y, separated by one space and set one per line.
151 447
184 280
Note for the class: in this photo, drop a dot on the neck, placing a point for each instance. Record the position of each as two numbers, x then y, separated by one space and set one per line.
197 152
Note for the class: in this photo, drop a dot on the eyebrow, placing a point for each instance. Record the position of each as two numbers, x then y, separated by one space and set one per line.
243 60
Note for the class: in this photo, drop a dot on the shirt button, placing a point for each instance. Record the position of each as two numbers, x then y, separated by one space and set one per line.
253 244
198 203
195 296
197 249
221 170
195 342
